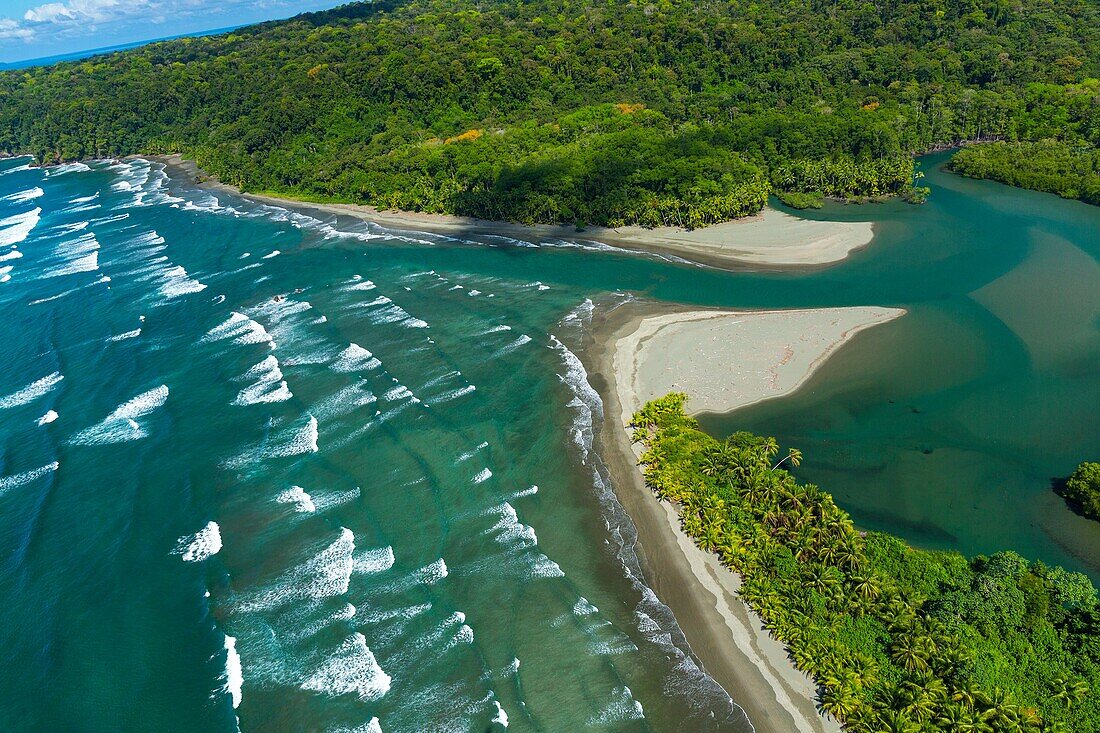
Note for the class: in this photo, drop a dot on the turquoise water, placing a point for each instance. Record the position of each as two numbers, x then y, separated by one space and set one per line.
316 482
264 470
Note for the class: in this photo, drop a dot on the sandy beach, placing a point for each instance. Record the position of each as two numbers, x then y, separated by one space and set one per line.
772 238
724 360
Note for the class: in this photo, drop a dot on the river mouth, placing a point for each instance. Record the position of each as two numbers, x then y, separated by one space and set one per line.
948 426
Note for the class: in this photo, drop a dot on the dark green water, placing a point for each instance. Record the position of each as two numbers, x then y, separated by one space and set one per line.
240 518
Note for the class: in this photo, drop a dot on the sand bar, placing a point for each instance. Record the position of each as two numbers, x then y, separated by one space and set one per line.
771 239
724 360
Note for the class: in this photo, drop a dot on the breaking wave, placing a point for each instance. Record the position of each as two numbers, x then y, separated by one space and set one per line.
34 390
201 545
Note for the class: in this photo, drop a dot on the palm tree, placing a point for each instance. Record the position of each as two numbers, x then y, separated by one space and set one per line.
935 689
910 653
793 455
922 708
896 721
1069 692
840 702
710 537
865 586
969 694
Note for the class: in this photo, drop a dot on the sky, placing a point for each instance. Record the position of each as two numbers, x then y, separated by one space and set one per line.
31 29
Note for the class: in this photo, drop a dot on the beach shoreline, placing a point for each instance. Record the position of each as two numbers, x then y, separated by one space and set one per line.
771 239
726 636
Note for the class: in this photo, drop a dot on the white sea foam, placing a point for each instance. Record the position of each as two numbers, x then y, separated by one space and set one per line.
17 169
433 573
141 405
483 475
622 708
501 717
371 726
325 500
386 311
512 346
12 254
352 668
87 263
296 439
234 677
582 313
14 481
401 392
464 635
470 453
241 329
60 170
272 253
176 282
122 424
14 229
81 208
19 197
498 329
346 400
586 404
48 418
354 359
325 575
403 614
31 392
301 440
201 545
297 496
64 230
361 285
269 385
454 394
374 560
304 622
110 219
509 530
75 256
126 335
5 273
529 491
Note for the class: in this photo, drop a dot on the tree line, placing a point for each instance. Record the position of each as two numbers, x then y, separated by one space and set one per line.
1069 170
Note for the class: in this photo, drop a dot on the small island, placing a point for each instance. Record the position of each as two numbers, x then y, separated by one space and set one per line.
1082 490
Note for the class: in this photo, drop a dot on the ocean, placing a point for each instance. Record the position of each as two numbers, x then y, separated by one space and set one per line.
272 471
265 471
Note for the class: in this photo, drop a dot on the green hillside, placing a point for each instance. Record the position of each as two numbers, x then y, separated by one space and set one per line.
609 112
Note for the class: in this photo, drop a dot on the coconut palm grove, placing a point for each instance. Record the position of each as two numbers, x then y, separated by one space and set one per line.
900 640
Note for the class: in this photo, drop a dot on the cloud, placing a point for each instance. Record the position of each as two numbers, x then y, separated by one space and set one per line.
13 29
84 17
85 11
